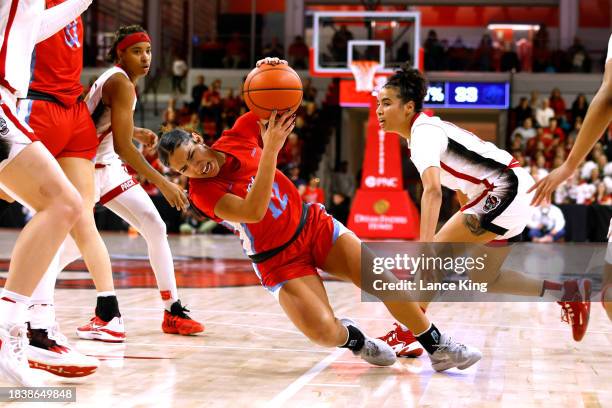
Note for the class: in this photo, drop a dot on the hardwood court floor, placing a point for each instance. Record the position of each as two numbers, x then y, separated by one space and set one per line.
250 355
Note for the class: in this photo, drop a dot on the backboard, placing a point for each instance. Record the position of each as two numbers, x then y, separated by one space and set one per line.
340 37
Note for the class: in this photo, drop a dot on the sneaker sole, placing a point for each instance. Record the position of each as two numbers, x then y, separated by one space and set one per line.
585 292
411 351
181 332
64 370
99 336
463 366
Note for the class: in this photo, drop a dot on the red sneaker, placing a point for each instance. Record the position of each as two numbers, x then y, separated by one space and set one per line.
576 305
403 342
176 321
98 329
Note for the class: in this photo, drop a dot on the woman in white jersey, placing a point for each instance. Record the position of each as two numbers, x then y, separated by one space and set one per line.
491 186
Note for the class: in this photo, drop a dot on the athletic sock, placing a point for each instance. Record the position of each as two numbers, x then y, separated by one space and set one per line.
354 340
430 339
168 299
13 308
107 306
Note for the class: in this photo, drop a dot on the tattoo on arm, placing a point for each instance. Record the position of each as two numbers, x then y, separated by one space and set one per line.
472 222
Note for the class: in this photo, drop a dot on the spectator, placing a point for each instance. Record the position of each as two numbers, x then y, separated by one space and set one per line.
342 181
211 109
523 111
274 49
526 130
212 52
291 152
553 131
457 55
433 51
509 59
534 101
579 107
310 92
298 53
313 193
483 56
557 103
547 224
194 124
340 207
403 53
197 91
517 142
579 57
339 43
294 176
235 54
179 72
603 195
544 113
231 108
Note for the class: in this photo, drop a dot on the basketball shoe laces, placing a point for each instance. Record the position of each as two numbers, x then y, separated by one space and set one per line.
567 313
178 310
451 346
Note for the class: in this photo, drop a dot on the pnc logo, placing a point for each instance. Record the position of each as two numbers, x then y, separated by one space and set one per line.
373 182
128 184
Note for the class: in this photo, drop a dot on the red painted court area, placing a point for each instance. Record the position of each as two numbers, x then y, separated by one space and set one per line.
137 273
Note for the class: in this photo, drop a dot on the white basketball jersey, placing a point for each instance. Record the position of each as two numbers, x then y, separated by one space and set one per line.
466 162
101 115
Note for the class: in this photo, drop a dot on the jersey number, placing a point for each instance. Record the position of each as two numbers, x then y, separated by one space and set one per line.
276 212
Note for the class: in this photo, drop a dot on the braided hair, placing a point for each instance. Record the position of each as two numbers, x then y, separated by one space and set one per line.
411 84
120 34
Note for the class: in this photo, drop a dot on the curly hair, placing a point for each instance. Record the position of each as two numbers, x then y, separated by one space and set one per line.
411 84
120 34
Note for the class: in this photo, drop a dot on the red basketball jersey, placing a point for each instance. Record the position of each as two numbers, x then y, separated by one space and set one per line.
242 154
57 62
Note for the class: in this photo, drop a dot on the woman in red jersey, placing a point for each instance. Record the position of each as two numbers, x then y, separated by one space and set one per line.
236 182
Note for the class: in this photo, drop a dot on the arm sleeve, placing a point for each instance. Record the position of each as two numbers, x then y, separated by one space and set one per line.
247 128
57 17
426 145
205 198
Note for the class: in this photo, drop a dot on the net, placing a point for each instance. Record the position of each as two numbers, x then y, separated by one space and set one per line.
364 72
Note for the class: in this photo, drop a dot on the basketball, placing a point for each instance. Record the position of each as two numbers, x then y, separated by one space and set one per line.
272 87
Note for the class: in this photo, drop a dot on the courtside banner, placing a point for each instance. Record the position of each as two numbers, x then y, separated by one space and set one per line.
455 272
381 207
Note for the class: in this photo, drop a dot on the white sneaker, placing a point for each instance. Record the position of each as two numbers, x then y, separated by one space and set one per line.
374 351
13 362
49 350
452 354
98 329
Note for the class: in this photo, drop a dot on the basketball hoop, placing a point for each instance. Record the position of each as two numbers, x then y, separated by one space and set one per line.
364 72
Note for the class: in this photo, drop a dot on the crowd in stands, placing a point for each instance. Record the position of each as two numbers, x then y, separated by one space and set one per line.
545 134
525 55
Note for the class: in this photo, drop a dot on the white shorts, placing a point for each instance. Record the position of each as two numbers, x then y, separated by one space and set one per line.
15 135
505 209
111 180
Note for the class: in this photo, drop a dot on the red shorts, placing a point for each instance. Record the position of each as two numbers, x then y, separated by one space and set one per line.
65 131
305 254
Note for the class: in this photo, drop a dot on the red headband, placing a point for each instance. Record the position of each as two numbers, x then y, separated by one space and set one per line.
132 39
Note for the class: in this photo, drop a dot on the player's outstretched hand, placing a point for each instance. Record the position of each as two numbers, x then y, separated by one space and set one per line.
145 136
270 61
175 195
277 130
546 186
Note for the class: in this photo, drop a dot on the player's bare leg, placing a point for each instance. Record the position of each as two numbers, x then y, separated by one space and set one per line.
34 177
305 302
107 325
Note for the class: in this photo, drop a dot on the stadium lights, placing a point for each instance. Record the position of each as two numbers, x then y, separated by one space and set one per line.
514 27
